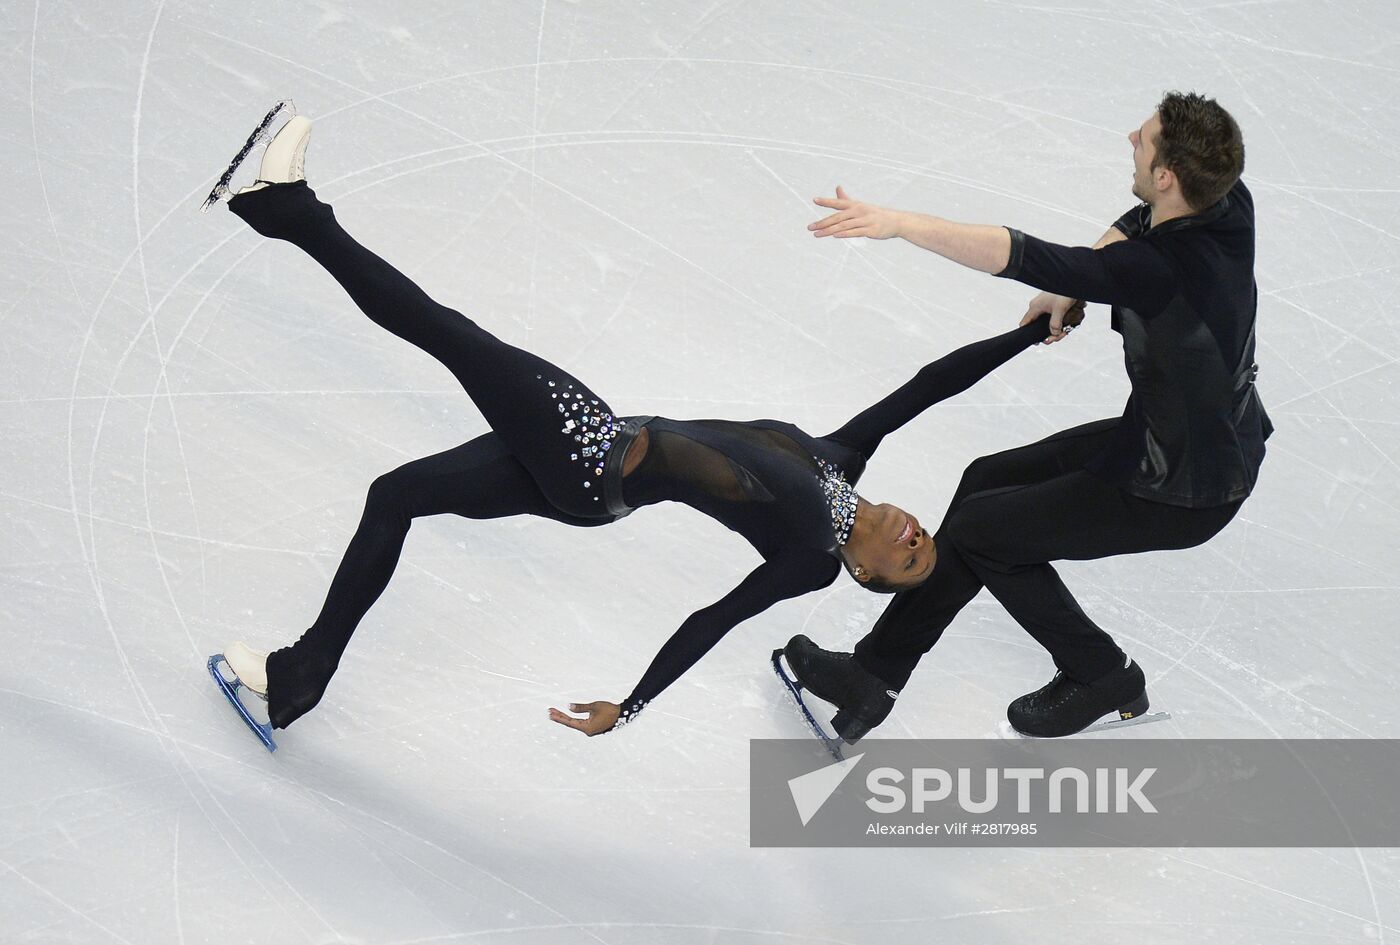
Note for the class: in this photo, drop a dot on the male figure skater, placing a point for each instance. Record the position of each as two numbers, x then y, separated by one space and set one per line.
1172 471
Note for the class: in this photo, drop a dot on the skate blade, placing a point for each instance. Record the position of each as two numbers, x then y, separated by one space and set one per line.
833 743
1106 724
222 191
230 688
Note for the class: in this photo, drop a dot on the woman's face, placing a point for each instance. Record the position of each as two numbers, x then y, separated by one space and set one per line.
891 549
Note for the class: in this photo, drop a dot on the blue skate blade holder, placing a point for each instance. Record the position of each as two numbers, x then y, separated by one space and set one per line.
230 690
833 744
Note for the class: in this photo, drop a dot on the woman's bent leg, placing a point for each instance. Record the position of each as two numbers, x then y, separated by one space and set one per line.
558 428
479 480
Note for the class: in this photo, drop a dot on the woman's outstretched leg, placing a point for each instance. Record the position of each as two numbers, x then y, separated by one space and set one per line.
558 428
479 480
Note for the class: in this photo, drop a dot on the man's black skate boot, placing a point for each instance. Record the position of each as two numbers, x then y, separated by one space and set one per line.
862 700
1064 706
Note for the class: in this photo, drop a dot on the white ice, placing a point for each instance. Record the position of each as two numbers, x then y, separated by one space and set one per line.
191 416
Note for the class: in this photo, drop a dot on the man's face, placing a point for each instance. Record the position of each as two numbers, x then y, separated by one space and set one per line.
1144 141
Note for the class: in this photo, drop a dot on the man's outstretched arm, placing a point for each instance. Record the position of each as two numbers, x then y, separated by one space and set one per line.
976 246
1130 277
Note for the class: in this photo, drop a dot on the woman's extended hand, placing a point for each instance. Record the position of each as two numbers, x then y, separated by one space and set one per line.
601 717
854 218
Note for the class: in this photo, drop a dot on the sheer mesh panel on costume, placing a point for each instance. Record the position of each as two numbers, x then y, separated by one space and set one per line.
760 480
692 465
763 439
705 469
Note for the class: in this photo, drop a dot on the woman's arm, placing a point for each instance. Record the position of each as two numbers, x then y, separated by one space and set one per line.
951 374
780 578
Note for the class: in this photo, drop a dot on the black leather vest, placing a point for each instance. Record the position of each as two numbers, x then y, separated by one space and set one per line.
1193 431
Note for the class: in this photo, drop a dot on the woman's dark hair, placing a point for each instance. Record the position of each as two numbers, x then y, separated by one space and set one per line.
877 586
1201 144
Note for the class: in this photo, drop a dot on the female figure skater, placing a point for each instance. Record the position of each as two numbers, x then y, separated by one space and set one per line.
557 450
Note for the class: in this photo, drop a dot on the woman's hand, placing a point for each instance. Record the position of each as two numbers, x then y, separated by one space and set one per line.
600 717
1065 313
854 218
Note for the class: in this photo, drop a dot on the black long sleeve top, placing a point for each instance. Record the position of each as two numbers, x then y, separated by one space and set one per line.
1184 299
764 480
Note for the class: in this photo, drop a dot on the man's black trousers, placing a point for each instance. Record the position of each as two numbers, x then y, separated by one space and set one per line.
1013 513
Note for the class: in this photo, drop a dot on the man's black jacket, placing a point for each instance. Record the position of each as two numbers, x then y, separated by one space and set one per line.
1184 299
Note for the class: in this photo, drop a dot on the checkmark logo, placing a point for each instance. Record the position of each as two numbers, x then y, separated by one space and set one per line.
811 791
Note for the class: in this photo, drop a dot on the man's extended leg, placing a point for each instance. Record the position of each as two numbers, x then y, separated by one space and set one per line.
1008 536
915 619
865 684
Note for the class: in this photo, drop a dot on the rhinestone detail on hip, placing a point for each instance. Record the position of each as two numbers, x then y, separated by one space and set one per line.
592 427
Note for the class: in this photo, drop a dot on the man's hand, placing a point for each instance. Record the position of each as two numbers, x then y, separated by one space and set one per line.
1065 313
854 218
601 717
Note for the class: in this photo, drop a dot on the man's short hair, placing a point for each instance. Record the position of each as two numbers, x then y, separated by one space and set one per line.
1201 144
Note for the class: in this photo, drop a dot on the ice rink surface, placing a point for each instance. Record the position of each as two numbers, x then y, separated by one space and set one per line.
192 414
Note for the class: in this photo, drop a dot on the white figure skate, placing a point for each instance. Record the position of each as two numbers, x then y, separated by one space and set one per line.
249 669
283 160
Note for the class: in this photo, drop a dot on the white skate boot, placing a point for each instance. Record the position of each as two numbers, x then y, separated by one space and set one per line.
249 666
249 669
283 160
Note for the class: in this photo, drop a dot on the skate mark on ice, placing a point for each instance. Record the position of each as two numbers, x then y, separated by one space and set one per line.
586 927
162 376
175 884
65 904
326 799
1281 892
1232 665
39 162
500 156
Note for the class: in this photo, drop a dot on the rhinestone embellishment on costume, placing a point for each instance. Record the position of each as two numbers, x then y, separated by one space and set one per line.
842 498
628 714
593 430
